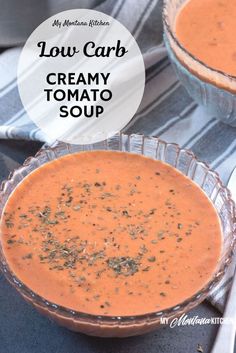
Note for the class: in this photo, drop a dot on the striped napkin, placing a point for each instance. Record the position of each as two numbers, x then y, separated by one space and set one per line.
166 110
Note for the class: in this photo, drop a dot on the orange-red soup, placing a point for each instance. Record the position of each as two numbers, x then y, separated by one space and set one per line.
206 28
111 233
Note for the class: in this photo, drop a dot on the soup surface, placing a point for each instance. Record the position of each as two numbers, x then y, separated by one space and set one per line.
206 28
111 233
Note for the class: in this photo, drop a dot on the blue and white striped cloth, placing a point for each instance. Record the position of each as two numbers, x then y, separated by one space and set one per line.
166 110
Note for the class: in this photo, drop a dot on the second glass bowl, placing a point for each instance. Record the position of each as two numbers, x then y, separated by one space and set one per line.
214 90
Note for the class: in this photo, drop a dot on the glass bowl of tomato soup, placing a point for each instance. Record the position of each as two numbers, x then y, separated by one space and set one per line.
97 237
199 38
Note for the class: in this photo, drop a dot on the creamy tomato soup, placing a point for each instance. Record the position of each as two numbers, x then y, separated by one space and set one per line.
206 28
111 233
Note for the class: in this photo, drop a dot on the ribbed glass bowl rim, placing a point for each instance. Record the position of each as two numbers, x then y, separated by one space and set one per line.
167 27
187 304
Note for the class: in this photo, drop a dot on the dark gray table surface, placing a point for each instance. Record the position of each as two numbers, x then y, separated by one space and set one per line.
24 330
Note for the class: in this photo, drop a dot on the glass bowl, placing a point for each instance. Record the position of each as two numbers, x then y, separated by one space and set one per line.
213 89
183 160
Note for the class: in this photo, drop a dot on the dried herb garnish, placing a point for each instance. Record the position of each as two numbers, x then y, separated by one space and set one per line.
95 256
122 265
27 256
143 249
125 213
152 259
9 220
10 241
162 294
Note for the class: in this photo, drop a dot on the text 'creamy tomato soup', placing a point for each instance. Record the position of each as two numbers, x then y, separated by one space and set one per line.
206 28
111 233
